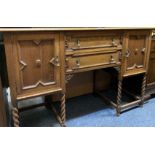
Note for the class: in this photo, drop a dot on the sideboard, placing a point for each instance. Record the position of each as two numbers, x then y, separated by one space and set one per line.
40 61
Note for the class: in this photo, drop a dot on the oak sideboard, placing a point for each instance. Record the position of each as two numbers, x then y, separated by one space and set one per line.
40 61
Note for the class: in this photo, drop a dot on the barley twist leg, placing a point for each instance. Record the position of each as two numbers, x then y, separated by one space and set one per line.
143 88
119 96
63 109
15 115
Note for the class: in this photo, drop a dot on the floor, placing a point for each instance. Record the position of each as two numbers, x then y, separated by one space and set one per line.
90 111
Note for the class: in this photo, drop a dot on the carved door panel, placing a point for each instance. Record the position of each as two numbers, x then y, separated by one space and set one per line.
37 59
136 52
151 68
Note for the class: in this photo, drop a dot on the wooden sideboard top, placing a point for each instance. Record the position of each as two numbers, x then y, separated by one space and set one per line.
14 29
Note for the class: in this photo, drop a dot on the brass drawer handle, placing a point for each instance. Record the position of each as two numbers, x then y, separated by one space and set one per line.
55 61
114 44
38 63
78 62
67 62
78 43
112 60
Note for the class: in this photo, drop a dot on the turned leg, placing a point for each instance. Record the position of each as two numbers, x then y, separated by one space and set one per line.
15 116
63 109
143 88
119 96
15 112
61 114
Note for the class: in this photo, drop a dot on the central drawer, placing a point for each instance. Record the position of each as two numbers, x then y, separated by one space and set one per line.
92 50
78 63
75 41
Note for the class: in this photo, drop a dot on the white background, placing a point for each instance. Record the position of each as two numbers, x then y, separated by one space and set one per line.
77 13
77 141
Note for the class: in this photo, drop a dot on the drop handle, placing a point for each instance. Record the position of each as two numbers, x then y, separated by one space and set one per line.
38 63
114 44
67 62
78 43
112 60
78 63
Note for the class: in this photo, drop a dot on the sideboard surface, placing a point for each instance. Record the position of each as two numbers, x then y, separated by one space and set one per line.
42 61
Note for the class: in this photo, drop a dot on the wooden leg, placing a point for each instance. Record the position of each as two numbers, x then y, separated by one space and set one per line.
143 88
119 96
118 111
15 115
60 114
63 109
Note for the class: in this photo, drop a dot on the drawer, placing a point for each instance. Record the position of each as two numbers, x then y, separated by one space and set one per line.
89 62
91 40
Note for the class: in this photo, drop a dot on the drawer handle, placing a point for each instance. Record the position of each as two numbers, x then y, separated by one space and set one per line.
112 60
66 62
78 43
55 61
78 63
114 44
38 63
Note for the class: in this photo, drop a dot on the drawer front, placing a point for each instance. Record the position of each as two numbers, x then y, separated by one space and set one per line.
88 62
90 40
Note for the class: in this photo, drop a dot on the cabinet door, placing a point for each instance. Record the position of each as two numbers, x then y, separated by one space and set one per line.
38 63
136 52
151 72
